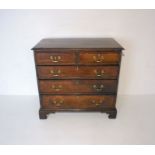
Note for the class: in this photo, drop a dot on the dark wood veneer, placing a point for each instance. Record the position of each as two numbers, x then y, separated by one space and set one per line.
99 58
55 58
84 101
77 74
77 86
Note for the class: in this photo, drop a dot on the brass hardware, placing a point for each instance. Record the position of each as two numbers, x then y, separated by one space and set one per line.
98 87
57 88
98 58
99 73
57 103
94 102
55 58
97 103
55 72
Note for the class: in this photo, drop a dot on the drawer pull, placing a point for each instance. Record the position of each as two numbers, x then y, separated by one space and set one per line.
55 72
98 58
94 102
99 73
57 103
98 87
57 88
97 103
55 58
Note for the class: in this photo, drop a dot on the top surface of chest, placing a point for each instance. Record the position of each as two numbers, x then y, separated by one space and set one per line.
78 43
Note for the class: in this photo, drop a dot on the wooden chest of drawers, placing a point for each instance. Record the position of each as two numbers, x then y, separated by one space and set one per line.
77 75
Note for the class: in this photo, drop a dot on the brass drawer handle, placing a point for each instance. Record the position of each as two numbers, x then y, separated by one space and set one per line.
57 103
55 58
98 58
57 88
97 103
99 73
94 102
55 72
98 87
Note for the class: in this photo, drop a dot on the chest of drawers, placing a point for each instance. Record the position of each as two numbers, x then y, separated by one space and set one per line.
77 74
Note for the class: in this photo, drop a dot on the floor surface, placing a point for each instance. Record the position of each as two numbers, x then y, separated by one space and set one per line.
135 123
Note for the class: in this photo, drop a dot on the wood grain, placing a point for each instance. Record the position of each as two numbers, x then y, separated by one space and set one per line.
45 58
77 86
78 102
78 72
99 58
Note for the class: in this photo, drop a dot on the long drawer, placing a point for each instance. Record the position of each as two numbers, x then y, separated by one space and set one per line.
77 86
57 102
82 72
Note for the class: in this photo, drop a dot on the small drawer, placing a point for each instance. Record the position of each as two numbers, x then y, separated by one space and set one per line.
57 58
77 86
81 72
97 58
57 102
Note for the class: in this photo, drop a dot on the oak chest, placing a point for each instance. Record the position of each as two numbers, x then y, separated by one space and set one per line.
77 74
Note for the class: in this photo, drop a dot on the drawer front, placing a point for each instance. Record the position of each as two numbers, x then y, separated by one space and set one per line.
78 101
99 58
58 58
62 72
77 86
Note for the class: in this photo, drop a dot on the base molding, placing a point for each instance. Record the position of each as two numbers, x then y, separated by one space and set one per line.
112 112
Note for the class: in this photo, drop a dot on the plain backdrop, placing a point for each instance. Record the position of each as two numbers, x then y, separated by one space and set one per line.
20 30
